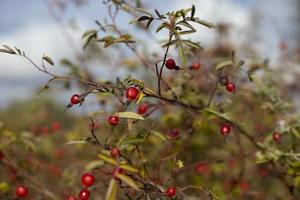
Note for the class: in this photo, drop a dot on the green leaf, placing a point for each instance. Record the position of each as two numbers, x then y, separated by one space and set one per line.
107 159
89 32
170 43
157 13
93 164
129 168
186 24
218 114
81 141
192 44
159 135
241 63
203 22
129 115
160 27
127 180
193 11
224 64
149 22
112 190
48 60
143 18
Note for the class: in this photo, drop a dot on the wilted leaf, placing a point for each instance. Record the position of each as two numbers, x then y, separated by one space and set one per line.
159 135
129 168
127 180
112 190
192 44
48 60
143 18
170 43
224 64
193 11
204 23
89 32
129 115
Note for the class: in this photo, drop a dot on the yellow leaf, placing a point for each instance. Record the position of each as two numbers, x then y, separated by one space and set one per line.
127 180
129 115
107 159
180 164
4 187
140 98
112 190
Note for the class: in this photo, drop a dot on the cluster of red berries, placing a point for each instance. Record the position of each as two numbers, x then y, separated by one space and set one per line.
230 86
87 180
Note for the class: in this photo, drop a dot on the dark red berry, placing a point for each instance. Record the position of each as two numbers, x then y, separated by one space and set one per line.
196 66
171 192
84 194
276 137
113 120
70 198
1 155
132 93
170 64
225 129
87 179
173 133
117 171
142 108
224 80
230 87
201 168
21 191
75 99
115 152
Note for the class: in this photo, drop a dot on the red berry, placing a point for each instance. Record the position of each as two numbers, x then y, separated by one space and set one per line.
87 179
21 191
142 108
170 64
75 99
132 93
171 192
173 133
117 171
70 198
230 87
196 66
201 168
115 152
113 120
276 137
84 194
225 129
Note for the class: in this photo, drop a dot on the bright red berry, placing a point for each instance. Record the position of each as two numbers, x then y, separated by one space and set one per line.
84 194
196 66
115 152
117 171
132 93
230 87
70 198
143 108
276 137
87 179
171 192
170 64
21 191
113 120
225 129
173 133
74 99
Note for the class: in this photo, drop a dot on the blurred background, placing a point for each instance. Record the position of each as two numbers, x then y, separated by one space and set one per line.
55 27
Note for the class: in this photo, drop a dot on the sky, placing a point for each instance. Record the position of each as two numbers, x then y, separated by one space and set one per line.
30 26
